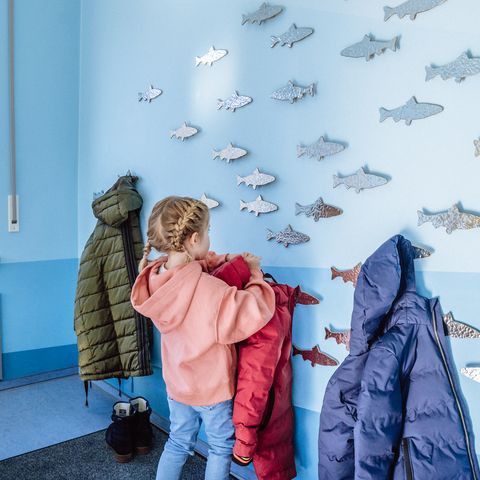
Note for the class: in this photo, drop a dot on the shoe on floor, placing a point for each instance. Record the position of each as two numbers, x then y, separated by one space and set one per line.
119 434
141 427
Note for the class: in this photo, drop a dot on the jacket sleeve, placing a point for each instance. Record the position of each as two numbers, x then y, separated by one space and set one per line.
243 312
378 430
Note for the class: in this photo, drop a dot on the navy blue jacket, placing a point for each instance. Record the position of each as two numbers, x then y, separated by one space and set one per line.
393 408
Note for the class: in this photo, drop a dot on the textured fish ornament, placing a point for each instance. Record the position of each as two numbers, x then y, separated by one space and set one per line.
149 94
452 219
183 132
303 298
359 180
347 275
210 57
369 47
320 149
233 102
411 8
473 373
318 210
476 143
315 356
256 179
421 253
263 13
412 110
229 153
259 205
292 35
462 67
288 236
291 92
209 202
342 337
458 329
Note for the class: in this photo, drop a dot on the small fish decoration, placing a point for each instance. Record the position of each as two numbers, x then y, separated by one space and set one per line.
458 329
183 132
359 180
229 153
420 253
149 94
452 219
209 202
369 47
233 102
315 356
210 57
320 149
347 275
256 179
340 337
263 13
292 35
412 110
476 143
460 68
292 92
288 236
318 210
259 205
411 8
303 298
473 373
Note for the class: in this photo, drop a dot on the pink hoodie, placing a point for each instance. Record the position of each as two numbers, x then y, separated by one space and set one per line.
200 318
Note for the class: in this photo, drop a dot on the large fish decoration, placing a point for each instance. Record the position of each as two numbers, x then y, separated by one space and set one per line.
259 205
347 275
320 149
459 329
233 102
462 67
315 356
476 143
209 202
369 47
149 94
452 219
288 236
229 153
411 8
291 92
359 180
213 55
292 35
183 132
256 179
318 210
471 372
263 13
342 337
412 110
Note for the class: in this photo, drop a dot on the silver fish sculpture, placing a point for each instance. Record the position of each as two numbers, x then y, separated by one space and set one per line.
259 205
476 143
288 236
292 92
458 329
420 253
340 337
359 180
318 210
233 102
263 13
411 8
369 47
256 179
462 67
320 149
452 219
149 94
183 132
229 153
209 202
292 35
210 57
412 110
473 373
347 275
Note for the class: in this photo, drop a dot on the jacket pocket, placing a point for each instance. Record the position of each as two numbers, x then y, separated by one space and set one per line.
407 460
267 414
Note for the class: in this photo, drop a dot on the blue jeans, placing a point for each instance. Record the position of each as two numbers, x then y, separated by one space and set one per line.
185 423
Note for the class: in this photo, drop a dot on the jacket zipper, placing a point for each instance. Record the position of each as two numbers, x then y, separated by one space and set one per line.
452 386
407 460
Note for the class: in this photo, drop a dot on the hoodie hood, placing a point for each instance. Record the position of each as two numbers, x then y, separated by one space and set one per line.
387 274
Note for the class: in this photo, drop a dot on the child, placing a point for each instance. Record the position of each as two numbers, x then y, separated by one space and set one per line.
200 318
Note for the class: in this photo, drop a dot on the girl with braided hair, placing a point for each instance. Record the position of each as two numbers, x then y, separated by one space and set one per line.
200 318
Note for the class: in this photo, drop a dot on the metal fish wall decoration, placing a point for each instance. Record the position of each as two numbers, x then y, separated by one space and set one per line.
292 35
476 143
256 179
320 149
291 92
233 102
452 219
183 132
209 202
411 8
471 372
288 236
303 298
315 356
229 153
421 253
459 69
210 57
340 337
150 94
347 275
318 210
259 205
369 47
359 180
459 329
263 13
412 110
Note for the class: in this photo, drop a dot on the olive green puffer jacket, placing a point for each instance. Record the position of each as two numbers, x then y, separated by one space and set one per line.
113 339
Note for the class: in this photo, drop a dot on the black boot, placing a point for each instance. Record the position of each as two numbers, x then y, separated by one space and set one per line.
141 428
119 434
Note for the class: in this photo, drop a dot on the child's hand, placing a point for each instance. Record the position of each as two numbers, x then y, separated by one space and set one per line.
251 260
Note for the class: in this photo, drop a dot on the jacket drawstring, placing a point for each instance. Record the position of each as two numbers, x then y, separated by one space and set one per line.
85 385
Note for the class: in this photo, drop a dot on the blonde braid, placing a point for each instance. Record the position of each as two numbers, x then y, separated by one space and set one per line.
179 229
146 252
